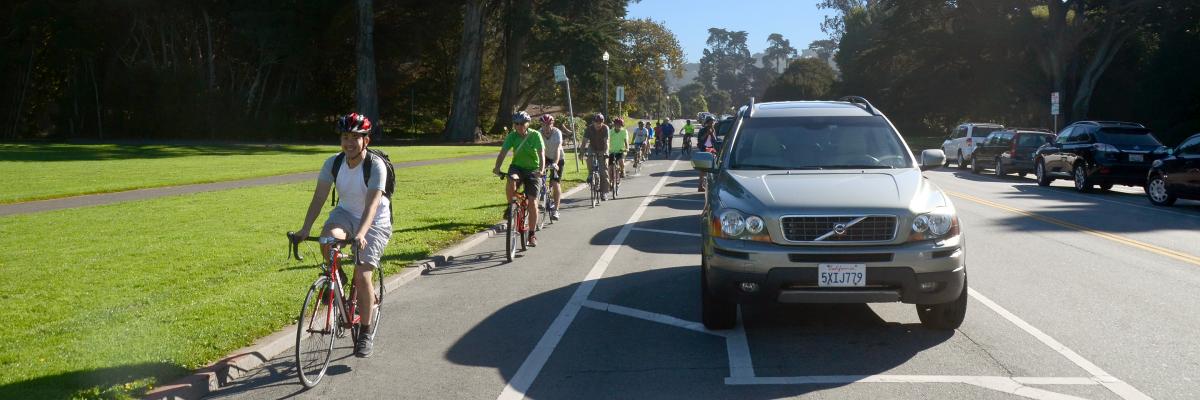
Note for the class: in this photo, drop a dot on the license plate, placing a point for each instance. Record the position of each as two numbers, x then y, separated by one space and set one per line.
841 275
1136 158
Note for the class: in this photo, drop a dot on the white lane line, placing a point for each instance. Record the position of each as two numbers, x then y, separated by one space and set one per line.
673 198
649 316
738 350
532 366
667 232
998 383
1117 386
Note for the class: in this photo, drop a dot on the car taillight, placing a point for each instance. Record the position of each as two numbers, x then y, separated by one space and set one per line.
1012 147
970 142
1107 148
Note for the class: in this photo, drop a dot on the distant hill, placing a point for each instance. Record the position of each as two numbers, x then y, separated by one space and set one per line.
690 72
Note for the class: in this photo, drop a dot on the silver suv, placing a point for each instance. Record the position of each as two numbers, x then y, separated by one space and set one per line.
822 202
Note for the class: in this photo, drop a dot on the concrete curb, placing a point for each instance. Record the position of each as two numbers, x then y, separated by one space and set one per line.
241 362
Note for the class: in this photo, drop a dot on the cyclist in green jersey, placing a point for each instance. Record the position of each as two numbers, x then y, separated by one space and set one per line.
528 153
618 143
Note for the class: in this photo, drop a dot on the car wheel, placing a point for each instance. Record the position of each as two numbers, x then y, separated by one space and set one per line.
962 163
1040 172
945 316
1156 191
999 168
975 165
1082 184
716 313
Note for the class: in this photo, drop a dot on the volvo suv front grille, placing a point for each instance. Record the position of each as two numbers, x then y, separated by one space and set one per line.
842 228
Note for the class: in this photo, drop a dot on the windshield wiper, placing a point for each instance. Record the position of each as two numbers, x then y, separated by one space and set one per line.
859 167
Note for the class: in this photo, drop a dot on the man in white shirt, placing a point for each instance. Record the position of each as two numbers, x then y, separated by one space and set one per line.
554 162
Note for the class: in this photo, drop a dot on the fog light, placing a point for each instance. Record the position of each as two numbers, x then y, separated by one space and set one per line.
749 287
929 286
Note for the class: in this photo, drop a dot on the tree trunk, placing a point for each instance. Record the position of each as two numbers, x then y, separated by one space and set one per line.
96 90
464 114
516 38
367 95
24 83
212 73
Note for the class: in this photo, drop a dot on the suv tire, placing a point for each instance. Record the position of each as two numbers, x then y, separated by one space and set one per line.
1000 172
1156 191
717 314
975 165
945 316
1082 183
1040 173
962 163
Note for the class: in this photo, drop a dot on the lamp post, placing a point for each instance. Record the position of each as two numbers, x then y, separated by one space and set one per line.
605 57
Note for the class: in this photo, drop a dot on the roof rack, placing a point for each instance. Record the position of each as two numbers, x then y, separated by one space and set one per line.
750 108
1047 130
860 101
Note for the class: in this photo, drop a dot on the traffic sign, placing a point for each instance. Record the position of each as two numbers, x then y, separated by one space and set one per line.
560 73
1054 103
620 93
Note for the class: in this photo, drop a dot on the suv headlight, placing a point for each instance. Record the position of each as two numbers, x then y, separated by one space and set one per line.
940 223
734 224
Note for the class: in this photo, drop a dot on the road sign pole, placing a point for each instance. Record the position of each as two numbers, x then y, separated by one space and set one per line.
571 116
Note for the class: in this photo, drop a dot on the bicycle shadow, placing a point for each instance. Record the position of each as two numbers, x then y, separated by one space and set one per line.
471 263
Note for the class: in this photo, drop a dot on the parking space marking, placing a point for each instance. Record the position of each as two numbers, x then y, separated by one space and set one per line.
667 232
1117 386
521 381
649 316
738 349
1181 256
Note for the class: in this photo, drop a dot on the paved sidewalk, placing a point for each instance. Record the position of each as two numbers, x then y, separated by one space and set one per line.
143 194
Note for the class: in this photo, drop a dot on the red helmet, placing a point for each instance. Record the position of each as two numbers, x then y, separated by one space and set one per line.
354 123
618 121
547 119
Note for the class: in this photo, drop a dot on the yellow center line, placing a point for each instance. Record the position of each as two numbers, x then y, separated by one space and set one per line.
1188 258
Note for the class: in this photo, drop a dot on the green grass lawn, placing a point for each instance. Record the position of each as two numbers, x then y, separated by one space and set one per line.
33 172
110 301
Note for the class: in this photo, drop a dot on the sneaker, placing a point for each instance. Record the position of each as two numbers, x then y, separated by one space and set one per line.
554 215
532 241
365 345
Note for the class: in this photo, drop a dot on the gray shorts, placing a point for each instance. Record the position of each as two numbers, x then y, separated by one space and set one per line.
377 236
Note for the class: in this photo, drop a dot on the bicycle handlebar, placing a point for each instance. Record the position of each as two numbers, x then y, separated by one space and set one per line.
294 244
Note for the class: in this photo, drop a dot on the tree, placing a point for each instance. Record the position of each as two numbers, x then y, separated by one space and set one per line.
464 117
718 101
691 98
804 79
366 96
825 48
518 20
727 64
779 52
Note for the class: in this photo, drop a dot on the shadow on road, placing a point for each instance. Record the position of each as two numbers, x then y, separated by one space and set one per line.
605 355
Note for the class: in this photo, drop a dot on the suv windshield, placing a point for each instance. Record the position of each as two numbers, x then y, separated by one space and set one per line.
983 131
1127 137
818 143
1033 139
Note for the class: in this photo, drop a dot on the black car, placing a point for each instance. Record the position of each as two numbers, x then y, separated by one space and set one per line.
1177 176
1010 150
1098 153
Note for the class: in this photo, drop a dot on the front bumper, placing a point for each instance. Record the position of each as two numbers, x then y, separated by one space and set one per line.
788 274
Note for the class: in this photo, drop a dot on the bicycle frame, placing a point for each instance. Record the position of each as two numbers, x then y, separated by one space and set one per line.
332 270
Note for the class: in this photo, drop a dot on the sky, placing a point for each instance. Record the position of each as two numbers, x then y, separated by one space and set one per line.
798 20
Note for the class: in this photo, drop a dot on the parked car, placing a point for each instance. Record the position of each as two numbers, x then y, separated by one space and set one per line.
1101 153
964 138
723 126
1177 175
1009 150
822 202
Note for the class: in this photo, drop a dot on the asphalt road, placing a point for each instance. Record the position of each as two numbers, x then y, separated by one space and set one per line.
1073 296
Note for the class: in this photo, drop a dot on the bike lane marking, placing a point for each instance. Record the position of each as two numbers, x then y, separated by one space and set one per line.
532 366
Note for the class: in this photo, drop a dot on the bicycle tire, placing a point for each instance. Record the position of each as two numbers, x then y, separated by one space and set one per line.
595 189
523 227
544 207
510 249
314 347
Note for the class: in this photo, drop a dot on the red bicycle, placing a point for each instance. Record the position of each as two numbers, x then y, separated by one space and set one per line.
328 312
517 227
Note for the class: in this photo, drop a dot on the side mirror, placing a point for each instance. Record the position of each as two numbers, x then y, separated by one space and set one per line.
704 161
930 159
1170 151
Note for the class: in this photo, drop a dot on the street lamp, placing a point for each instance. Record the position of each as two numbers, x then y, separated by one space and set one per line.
605 57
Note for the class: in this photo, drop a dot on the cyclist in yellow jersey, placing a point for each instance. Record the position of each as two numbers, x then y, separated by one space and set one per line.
618 143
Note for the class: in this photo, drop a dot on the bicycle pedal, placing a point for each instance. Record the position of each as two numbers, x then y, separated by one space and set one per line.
357 319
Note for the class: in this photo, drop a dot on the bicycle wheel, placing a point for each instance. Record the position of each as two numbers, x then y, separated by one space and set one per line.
511 236
594 185
523 226
544 207
316 330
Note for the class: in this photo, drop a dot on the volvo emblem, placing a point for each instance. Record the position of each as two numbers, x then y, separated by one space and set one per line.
839 229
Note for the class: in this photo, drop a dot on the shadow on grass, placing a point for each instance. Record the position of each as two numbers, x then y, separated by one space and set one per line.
59 152
113 382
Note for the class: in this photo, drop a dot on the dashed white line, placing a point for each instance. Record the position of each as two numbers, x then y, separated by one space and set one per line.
649 316
532 366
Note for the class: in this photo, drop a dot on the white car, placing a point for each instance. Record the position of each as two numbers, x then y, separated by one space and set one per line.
962 142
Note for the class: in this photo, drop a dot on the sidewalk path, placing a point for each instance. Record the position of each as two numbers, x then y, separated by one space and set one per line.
143 194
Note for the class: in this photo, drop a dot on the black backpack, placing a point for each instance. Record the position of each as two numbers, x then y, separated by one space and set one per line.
389 184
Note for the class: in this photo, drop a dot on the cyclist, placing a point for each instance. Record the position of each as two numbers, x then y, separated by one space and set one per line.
595 139
708 139
641 139
554 162
362 213
528 153
618 143
650 142
668 134
688 131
